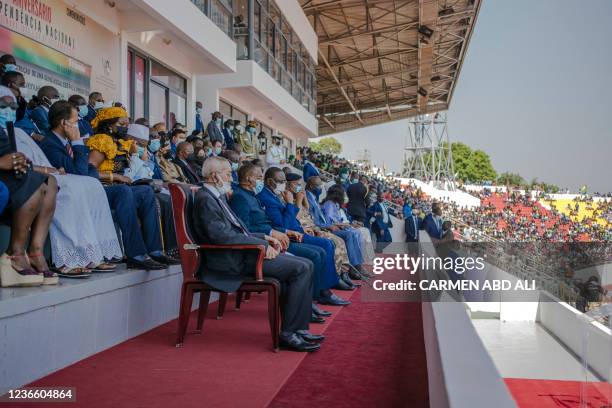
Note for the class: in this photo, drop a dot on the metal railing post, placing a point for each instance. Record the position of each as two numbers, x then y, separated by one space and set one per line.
251 28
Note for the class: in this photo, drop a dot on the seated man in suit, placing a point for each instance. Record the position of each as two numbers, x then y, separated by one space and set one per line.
283 215
250 210
216 223
84 126
412 225
66 151
47 96
183 151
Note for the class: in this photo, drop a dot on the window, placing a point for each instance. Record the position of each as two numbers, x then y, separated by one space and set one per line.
157 104
155 91
139 87
225 109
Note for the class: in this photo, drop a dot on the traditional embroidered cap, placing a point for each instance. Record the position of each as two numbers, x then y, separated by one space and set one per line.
139 132
108 113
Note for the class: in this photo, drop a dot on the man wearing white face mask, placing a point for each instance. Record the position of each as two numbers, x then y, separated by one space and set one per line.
214 222
96 102
214 128
279 207
46 96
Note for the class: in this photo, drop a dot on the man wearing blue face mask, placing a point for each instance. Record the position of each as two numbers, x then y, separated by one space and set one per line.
8 63
228 134
154 146
46 96
81 105
214 128
15 82
199 123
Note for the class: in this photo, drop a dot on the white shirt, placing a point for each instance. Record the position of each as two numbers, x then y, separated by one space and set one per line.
275 155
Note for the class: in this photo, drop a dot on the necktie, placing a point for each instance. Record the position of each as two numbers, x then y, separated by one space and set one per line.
69 150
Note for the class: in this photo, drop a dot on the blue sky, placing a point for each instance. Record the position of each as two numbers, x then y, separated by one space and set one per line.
534 93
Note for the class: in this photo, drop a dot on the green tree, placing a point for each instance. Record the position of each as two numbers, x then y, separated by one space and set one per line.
513 179
328 145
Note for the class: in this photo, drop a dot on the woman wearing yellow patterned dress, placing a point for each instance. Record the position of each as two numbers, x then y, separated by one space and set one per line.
134 206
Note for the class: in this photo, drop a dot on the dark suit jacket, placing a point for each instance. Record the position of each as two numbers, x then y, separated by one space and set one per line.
91 113
40 117
412 227
379 223
283 216
224 270
429 225
85 128
249 209
190 174
358 202
199 125
214 133
229 138
58 156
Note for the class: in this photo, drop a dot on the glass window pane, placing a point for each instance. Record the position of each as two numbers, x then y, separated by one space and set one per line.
225 109
176 107
157 104
139 88
167 77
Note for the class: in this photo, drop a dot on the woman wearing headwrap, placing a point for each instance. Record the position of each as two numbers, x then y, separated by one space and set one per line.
135 206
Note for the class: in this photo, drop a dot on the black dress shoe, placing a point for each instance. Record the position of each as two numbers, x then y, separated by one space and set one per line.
147 264
316 319
320 312
296 343
363 272
347 279
312 338
342 285
165 259
354 274
333 300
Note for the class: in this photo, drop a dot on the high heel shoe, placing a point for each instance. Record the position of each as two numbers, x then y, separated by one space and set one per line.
10 277
49 277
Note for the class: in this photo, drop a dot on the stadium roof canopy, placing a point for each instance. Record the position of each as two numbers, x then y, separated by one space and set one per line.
382 60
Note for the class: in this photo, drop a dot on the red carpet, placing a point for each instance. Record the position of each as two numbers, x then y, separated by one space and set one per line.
559 394
230 364
373 356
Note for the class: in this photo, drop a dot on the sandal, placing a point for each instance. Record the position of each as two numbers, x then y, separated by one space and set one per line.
104 267
49 277
10 276
75 273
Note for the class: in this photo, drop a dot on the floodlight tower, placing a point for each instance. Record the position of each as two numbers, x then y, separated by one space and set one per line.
428 155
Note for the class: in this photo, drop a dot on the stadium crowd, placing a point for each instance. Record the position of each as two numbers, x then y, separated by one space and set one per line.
94 181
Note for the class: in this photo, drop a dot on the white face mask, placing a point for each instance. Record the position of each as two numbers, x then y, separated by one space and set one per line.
280 188
225 188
